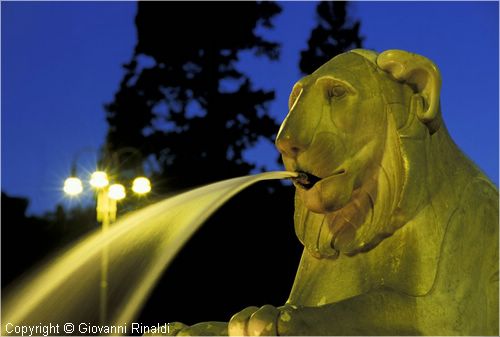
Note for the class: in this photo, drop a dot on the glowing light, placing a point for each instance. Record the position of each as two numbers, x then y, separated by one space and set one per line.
99 179
141 185
73 186
116 192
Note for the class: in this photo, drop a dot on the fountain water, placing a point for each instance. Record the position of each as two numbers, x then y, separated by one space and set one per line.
140 246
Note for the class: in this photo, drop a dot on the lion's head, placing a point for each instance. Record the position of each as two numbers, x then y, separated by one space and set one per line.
353 125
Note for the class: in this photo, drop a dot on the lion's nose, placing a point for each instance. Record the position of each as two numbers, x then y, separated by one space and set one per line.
290 145
298 129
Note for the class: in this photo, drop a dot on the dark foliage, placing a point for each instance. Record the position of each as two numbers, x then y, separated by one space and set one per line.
190 107
27 240
334 35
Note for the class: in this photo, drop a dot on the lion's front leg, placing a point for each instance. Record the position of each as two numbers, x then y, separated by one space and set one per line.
381 312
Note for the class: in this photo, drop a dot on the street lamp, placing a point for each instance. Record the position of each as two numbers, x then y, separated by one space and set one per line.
107 196
99 180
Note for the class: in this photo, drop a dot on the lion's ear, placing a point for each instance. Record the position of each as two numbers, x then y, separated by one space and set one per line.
422 75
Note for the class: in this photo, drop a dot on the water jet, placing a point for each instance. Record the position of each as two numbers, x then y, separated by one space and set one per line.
140 247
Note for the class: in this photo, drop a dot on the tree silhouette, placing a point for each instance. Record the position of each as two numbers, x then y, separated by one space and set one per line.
334 35
190 107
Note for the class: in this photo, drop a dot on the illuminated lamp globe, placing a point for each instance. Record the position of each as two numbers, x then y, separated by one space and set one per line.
116 192
141 185
73 186
99 179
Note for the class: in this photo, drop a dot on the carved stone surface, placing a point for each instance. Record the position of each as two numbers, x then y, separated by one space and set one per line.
401 229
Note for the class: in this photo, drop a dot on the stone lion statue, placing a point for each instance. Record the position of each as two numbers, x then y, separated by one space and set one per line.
400 228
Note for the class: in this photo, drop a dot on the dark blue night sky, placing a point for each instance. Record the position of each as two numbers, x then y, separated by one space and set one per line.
61 61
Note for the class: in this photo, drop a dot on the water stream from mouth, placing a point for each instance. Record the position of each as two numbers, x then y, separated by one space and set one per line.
139 247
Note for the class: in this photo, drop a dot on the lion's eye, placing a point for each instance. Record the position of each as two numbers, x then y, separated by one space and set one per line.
336 91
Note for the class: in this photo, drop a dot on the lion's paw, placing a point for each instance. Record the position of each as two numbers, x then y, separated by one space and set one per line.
254 321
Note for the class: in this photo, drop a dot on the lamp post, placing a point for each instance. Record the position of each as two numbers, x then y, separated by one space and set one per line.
107 196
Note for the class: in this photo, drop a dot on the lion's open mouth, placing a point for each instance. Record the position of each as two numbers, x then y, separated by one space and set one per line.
307 180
